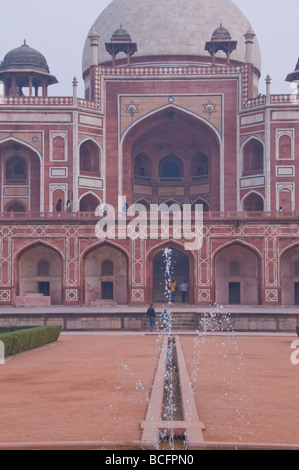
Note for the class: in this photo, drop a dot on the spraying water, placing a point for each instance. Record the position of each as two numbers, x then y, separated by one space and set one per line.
171 410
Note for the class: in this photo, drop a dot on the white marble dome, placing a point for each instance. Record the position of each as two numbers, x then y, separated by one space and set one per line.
171 27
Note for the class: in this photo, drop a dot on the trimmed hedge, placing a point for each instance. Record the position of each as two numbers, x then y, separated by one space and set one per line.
26 339
8 329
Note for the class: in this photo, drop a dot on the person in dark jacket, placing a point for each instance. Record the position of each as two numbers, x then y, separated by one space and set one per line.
151 315
59 205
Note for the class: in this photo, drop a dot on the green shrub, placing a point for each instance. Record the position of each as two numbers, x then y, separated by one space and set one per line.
8 329
297 329
26 339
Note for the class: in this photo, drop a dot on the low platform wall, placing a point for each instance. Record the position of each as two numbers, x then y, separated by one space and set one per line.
253 322
77 322
84 320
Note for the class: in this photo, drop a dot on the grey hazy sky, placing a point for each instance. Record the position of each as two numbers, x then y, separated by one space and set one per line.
58 29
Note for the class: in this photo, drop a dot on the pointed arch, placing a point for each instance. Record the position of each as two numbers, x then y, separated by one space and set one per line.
237 268
21 142
171 166
239 242
201 201
36 243
199 167
15 206
253 202
30 280
184 270
289 271
171 202
98 244
31 160
170 137
145 202
142 167
170 108
98 285
252 152
285 145
89 202
90 156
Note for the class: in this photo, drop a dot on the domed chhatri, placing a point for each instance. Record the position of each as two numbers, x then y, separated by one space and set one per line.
25 67
24 57
294 76
170 28
121 42
221 34
221 41
121 35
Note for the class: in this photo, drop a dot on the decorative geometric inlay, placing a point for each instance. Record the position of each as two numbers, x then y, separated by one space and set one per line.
5 296
171 99
210 108
132 108
137 295
71 295
271 295
204 295
35 140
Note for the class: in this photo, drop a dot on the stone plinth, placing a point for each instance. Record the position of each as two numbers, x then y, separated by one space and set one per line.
33 300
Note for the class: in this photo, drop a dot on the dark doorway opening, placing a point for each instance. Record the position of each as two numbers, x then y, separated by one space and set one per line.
296 293
44 288
234 291
107 290
180 267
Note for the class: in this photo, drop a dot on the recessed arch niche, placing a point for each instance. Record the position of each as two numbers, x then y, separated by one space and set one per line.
237 274
40 272
290 276
102 283
182 269
178 147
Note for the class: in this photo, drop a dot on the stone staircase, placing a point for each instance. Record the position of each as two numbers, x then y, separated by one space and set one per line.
181 321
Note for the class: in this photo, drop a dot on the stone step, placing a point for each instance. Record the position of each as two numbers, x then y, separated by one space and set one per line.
180 322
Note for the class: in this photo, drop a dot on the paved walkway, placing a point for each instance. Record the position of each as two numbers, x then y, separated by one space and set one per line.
91 390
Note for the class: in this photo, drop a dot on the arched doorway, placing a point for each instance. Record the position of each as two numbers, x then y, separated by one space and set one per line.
15 207
22 184
106 275
89 203
171 167
253 203
237 276
40 272
290 277
180 269
90 158
253 158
